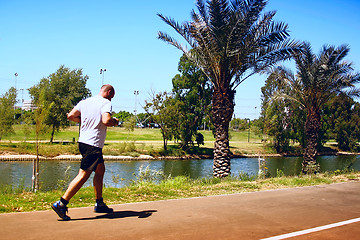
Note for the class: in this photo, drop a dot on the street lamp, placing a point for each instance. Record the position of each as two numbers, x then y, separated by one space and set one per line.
136 93
22 100
102 71
15 95
15 79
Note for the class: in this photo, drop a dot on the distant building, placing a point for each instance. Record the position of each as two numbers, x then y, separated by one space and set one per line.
28 105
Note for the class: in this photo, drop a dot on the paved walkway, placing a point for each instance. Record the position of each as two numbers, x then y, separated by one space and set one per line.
238 216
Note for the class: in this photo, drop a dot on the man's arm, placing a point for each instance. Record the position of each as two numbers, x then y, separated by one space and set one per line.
108 120
74 115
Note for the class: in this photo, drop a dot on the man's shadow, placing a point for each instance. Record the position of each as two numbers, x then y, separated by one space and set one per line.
120 214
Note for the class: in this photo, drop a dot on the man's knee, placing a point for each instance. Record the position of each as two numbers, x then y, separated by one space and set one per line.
83 174
100 169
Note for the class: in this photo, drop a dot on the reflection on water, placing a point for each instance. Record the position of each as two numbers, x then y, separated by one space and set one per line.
15 173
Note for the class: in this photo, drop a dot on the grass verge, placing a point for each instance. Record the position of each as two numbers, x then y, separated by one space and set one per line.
21 200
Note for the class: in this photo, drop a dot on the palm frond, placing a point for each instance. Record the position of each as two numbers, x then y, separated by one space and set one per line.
280 96
245 32
181 29
201 6
274 33
270 55
243 28
352 92
166 38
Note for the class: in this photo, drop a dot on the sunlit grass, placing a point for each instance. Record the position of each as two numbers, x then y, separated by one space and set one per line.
20 200
143 140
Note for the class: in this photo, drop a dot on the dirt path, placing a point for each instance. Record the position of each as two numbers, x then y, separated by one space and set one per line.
238 216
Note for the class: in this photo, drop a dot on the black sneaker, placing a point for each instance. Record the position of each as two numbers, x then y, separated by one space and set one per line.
102 208
61 211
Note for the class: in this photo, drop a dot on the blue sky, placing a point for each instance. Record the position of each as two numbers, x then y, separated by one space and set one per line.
36 37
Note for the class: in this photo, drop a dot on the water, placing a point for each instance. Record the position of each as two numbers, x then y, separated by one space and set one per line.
19 173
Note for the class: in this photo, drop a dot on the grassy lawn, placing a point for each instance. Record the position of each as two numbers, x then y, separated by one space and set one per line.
122 142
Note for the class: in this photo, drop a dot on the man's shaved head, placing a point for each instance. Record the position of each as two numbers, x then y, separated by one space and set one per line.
107 91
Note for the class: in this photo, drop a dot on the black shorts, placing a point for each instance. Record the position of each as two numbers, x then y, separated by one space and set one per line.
91 157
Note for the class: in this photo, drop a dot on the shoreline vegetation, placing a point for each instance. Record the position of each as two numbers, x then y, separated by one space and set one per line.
146 188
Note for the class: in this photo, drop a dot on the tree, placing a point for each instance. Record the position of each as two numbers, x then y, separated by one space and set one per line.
230 42
276 123
238 124
319 78
28 120
41 114
64 88
143 119
123 116
342 115
192 98
281 118
163 113
129 124
7 103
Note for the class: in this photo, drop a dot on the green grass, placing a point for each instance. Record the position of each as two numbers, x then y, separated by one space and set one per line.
121 134
144 140
122 142
21 200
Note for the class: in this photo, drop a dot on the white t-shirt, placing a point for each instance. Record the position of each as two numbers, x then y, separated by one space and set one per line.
92 130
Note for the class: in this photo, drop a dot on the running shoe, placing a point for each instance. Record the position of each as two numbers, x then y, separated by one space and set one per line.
102 208
61 211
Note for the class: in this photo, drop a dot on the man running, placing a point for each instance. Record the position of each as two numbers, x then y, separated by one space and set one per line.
94 114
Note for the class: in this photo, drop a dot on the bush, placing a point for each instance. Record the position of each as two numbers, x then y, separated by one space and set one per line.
125 147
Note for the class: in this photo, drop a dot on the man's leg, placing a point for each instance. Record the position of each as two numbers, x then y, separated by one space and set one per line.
76 184
98 180
100 206
60 206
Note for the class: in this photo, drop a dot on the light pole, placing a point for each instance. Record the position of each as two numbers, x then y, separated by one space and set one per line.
136 93
15 95
22 101
102 72
16 79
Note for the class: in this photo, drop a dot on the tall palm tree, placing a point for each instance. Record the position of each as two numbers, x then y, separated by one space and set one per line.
230 41
318 79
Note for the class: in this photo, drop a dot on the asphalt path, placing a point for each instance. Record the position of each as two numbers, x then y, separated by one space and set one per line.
258 215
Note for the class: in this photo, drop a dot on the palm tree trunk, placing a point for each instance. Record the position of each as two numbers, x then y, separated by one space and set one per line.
222 111
312 127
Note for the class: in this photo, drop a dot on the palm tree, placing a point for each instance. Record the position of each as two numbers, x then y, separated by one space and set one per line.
230 41
318 79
